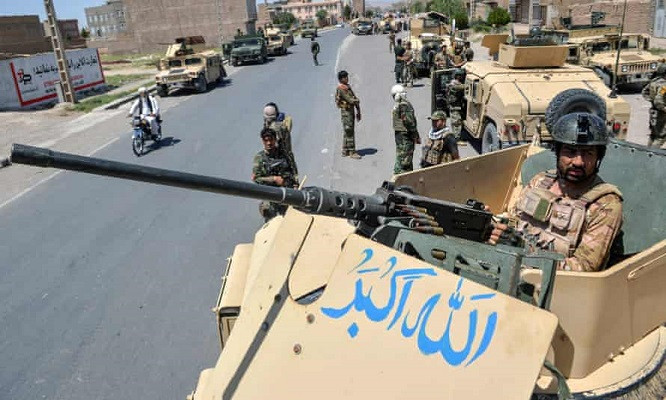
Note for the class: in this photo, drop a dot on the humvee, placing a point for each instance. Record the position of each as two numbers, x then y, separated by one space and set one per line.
277 44
361 26
400 312
186 64
284 30
596 48
308 29
505 101
248 48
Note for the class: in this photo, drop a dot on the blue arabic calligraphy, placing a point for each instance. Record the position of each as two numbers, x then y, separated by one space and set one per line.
362 302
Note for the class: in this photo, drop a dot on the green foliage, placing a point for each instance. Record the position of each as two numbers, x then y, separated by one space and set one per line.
284 18
417 7
499 17
85 33
369 14
447 7
462 22
90 104
321 15
347 12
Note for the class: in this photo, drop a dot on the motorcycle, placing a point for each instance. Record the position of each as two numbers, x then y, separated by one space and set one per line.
141 133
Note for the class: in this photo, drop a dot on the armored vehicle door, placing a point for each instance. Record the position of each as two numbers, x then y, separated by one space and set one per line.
213 66
440 80
474 110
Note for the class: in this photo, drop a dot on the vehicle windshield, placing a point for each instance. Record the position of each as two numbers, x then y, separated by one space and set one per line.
175 63
630 43
601 47
274 38
192 61
247 43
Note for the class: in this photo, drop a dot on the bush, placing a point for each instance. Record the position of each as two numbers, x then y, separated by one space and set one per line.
499 17
462 22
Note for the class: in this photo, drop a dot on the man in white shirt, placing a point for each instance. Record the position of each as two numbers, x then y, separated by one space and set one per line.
147 108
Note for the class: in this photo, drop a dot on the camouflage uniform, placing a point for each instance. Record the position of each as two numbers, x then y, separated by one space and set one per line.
266 165
442 60
391 41
455 94
468 54
582 225
283 135
439 151
654 92
399 51
406 133
347 101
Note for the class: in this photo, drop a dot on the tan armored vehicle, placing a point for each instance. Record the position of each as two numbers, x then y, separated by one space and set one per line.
188 65
596 48
431 22
410 301
276 44
504 102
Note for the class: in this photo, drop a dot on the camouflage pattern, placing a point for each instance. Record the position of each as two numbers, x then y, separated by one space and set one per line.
468 54
283 136
654 92
455 97
406 134
347 102
391 38
442 60
600 225
264 167
399 51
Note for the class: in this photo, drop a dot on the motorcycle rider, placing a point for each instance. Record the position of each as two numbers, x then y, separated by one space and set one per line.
147 109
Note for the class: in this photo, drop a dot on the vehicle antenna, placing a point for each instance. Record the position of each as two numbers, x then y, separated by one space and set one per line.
613 93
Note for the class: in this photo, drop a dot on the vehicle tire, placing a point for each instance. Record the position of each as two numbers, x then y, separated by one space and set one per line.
574 100
605 76
137 146
234 63
162 90
490 140
200 85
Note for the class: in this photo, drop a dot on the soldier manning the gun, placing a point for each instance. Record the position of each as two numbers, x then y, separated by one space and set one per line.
441 146
391 38
314 49
272 167
442 59
350 108
571 210
455 90
654 92
404 127
281 124
399 52
468 53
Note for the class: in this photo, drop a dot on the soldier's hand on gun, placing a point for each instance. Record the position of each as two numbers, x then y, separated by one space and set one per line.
497 232
278 180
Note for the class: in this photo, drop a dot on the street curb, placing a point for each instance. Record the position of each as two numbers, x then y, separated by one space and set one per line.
123 100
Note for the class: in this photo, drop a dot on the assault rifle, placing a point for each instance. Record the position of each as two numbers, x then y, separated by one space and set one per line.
440 232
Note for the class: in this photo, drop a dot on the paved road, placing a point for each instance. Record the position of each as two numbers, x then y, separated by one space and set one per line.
106 284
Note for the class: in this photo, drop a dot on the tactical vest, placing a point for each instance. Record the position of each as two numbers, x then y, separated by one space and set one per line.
434 152
398 123
554 222
341 102
277 165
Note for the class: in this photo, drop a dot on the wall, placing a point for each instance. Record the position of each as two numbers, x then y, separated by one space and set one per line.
639 17
22 35
28 82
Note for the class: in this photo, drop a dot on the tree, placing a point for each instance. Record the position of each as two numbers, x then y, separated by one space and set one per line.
462 22
321 15
499 17
369 13
346 12
447 7
284 18
85 33
417 7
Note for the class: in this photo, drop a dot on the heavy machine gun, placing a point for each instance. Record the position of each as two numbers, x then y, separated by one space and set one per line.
446 234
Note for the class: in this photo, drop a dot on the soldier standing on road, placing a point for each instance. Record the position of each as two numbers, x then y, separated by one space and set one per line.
314 49
350 107
455 96
281 124
441 146
586 212
404 127
271 167
399 52
442 59
654 92
468 53
391 37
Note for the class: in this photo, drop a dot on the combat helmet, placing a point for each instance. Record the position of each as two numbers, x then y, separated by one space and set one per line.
580 129
661 70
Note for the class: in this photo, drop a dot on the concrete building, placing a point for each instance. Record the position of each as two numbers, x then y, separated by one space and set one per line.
640 16
69 32
358 6
106 21
23 34
302 10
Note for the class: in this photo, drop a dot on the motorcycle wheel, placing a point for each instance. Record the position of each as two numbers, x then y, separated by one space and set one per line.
137 146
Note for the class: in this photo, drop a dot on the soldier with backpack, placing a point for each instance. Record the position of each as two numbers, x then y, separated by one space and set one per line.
281 124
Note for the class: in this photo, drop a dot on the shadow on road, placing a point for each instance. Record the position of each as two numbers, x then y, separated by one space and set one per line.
165 142
367 151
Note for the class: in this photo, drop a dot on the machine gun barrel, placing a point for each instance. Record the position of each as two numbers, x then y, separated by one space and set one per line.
314 200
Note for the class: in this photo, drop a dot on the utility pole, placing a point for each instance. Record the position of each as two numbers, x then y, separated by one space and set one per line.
59 51
613 93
